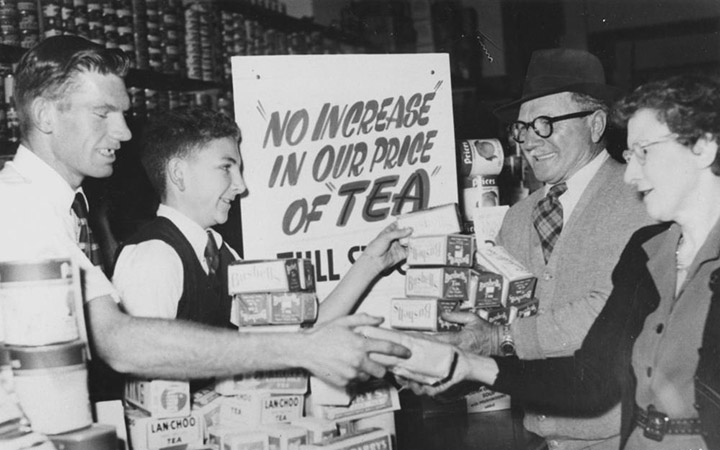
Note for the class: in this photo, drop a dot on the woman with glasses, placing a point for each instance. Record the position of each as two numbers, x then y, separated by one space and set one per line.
656 344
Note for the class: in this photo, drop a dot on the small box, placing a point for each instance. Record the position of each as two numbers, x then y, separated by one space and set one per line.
518 282
486 290
240 410
430 362
162 399
290 381
441 250
149 433
276 308
422 314
498 316
271 275
206 405
316 429
525 309
281 408
441 219
450 283
372 438
94 437
486 400
284 436
370 399
234 438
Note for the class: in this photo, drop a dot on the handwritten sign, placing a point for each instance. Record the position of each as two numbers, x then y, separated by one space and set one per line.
334 147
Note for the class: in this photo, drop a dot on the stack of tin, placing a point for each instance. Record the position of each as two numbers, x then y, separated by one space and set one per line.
44 335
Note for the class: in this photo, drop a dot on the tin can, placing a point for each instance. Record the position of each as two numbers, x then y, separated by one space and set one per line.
479 192
41 302
51 384
480 157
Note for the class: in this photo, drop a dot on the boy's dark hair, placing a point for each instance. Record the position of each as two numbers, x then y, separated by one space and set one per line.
176 134
49 68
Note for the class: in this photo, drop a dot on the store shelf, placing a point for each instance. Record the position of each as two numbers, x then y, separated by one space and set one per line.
10 54
289 24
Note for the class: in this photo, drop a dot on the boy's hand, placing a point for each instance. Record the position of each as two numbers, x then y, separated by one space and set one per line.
385 250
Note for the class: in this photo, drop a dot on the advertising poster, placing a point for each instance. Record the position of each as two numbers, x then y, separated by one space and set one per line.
334 147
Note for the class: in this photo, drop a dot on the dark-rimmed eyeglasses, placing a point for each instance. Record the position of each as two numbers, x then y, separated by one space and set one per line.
541 125
639 150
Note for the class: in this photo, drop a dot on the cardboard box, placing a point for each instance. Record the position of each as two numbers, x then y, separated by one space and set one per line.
234 438
441 219
525 309
206 405
316 429
260 408
422 314
499 315
161 399
271 275
485 289
449 283
518 282
275 308
373 438
290 381
285 436
441 250
487 400
149 433
371 398
431 361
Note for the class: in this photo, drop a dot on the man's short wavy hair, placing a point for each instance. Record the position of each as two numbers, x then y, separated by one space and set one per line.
49 70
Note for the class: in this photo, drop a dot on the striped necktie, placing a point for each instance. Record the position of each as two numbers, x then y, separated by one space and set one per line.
212 254
548 218
85 240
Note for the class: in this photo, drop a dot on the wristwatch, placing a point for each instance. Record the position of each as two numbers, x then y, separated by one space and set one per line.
507 344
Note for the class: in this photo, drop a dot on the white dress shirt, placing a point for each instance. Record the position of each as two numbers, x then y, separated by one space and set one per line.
149 275
577 183
37 221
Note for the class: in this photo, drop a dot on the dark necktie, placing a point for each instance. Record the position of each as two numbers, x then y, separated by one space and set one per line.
85 241
212 254
548 218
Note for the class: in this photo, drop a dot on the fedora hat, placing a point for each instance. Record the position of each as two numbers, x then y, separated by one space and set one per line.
556 70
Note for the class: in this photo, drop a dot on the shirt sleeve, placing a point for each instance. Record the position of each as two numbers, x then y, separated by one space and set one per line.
30 230
149 277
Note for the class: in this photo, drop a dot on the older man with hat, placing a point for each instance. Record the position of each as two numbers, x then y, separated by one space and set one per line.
569 233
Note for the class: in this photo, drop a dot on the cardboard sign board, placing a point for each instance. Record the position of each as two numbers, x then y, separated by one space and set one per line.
334 147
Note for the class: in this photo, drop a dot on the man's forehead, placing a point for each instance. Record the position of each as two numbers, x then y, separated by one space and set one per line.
546 105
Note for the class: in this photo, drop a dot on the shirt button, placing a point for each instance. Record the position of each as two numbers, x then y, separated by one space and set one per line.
649 371
541 417
553 443
659 328
547 276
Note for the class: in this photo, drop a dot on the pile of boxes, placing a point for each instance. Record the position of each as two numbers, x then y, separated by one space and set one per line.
262 410
449 271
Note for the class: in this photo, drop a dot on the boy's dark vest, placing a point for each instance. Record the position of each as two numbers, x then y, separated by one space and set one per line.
204 298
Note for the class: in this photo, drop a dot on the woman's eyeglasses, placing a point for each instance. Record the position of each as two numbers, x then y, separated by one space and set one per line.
541 125
640 150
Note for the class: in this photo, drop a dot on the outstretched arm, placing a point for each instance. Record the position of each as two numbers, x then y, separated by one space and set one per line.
160 348
383 252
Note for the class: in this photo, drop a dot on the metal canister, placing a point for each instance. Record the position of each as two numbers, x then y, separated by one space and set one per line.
41 302
51 384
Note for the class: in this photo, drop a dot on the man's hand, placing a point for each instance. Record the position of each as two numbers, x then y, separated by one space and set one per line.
477 336
385 250
338 355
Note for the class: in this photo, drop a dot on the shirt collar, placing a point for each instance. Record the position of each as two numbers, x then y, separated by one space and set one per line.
54 187
194 233
577 183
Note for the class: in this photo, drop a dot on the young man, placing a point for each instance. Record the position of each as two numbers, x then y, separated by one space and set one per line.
193 161
71 97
